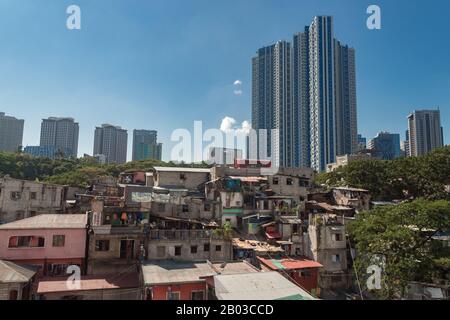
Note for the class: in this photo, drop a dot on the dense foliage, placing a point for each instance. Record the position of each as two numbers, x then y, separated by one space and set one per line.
403 178
403 238
74 172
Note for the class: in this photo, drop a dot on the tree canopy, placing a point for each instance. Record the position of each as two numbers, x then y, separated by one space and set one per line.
73 172
404 237
403 178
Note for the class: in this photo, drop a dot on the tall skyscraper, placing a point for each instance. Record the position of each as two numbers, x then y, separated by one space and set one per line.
308 93
60 133
300 101
145 145
345 90
386 145
11 133
424 132
111 142
322 93
272 100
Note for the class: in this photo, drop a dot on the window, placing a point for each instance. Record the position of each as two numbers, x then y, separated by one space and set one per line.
206 247
197 295
218 248
173 295
289 181
182 176
193 249
33 195
336 258
59 240
303 182
161 207
16 195
207 207
102 245
161 251
337 237
178 250
185 208
305 273
20 214
275 181
26 242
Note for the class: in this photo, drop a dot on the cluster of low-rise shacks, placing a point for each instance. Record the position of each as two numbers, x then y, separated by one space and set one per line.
179 232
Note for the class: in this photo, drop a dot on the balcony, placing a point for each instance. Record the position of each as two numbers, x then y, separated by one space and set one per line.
183 235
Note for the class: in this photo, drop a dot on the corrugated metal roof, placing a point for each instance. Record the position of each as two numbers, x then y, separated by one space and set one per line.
169 271
234 268
257 286
49 221
130 280
14 273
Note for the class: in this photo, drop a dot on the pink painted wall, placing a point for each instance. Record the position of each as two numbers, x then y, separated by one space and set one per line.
74 247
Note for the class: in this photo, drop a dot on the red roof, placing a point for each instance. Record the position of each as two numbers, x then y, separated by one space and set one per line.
289 263
273 235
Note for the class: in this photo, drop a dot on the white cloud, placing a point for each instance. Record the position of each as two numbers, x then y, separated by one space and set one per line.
228 124
237 82
237 92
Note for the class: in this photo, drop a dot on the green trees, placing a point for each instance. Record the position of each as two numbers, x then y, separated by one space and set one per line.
403 178
74 172
403 236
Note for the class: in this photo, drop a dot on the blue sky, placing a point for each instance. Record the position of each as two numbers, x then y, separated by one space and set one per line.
163 64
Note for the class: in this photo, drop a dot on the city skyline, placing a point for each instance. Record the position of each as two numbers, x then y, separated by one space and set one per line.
387 85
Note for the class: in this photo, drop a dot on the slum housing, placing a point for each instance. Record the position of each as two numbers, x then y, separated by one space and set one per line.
188 233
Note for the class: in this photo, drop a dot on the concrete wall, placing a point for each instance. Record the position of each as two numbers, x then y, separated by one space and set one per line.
110 294
192 179
185 289
225 254
74 246
47 199
109 262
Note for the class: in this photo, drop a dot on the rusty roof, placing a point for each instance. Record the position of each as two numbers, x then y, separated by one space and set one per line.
289 263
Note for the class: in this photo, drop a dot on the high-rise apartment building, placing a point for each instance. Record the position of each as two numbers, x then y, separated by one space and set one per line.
322 92
307 91
300 100
425 132
345 90
145 145
61 134
272 100
11 133
386 145
111 142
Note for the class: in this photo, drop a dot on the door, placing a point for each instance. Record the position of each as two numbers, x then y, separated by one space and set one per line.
13 295
127 249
